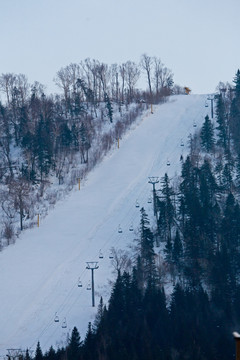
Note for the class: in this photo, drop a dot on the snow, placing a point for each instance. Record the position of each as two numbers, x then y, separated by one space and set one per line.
39 274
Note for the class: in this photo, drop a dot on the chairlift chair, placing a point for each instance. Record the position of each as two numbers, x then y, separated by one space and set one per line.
89 286
56 318
100 255
119 229
111 255
168 163
206 104
149 200
182 143
79 283
194 124
64 324
137 204
131 227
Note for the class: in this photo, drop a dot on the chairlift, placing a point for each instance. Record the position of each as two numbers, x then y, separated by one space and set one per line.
194 124
182 143
119 229
149 200
79 283
137 204
168 163
131 227
64 324
111 255
206 104
56 318
89 286
100 255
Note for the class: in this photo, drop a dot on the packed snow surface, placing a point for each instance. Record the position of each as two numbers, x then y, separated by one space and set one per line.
39 274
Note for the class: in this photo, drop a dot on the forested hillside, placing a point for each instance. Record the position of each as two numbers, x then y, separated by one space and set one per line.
198 231
179 296
49 143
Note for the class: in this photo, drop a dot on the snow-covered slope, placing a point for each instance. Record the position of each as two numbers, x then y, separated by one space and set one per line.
39 274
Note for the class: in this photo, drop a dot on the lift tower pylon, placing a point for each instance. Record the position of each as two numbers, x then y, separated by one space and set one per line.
154 180
92 265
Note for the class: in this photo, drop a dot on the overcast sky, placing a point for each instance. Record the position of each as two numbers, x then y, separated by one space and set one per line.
197 39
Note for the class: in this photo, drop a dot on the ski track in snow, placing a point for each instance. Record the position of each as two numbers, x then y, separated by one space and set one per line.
39 274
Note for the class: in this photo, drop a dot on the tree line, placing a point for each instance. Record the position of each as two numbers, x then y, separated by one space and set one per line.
63 136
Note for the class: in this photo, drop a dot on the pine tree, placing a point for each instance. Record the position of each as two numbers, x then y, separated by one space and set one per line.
27 355
84 143
190 202
222 123
208 185
50 355
108 107
167 193
66 136
237 168
168 250
227 179
146 248
74 346
177 250
207 135
236 80
43 147
89 346
235 113
38 353
230 224
100 314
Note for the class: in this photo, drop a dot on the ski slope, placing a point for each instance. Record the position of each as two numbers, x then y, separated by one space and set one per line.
39 274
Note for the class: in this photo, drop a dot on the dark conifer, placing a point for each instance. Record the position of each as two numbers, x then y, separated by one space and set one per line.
221 118
236 80
38 353
109 107
89 346
168 215
146 248
235 113
27 355
50 355
74 346
177 251
207 135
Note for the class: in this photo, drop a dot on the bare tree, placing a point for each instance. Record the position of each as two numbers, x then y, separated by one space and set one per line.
163 77
7 83
132 76
66 79
8 216
157 73
23 88
122 70
146 63
38 89
103 76
121 260
114 82
5 140
18 192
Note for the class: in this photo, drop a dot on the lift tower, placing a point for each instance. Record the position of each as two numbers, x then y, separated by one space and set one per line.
92 265
154 180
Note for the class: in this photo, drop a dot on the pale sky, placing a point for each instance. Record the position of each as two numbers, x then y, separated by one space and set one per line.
197 39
